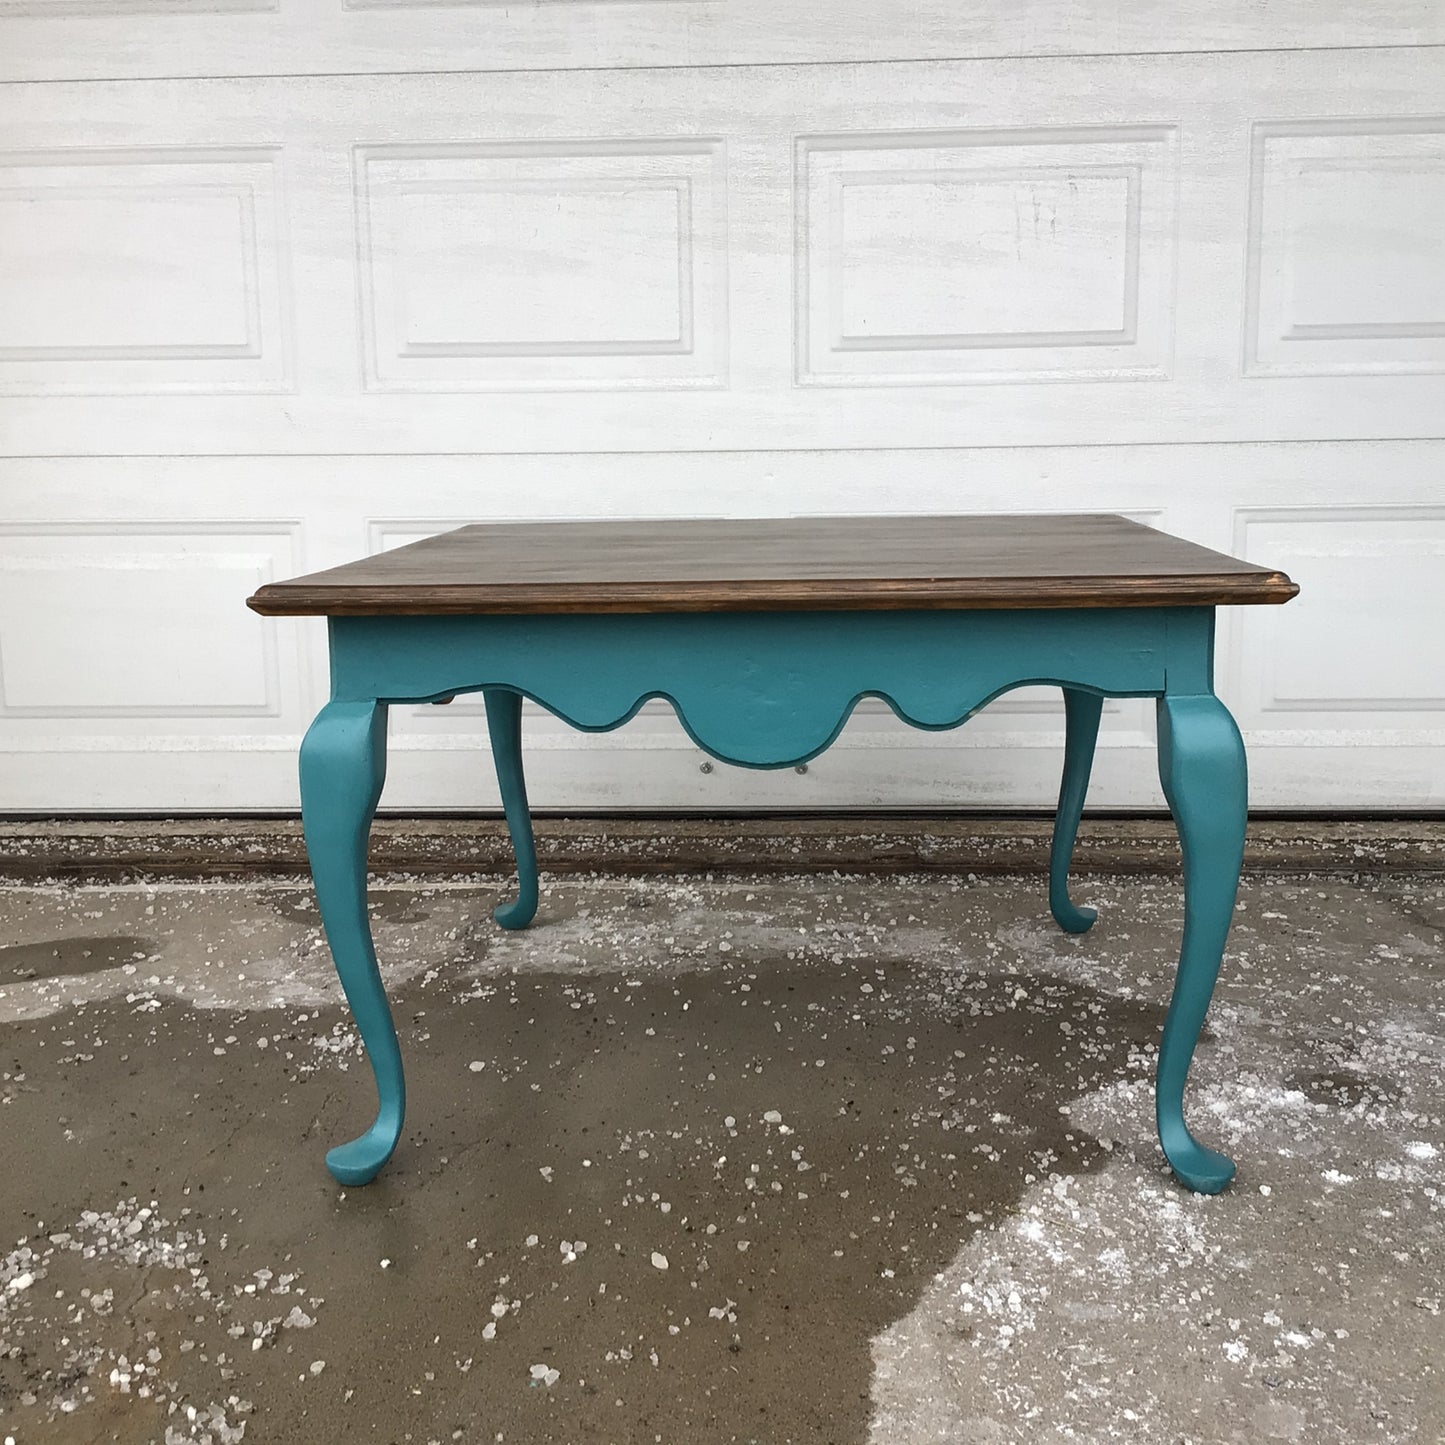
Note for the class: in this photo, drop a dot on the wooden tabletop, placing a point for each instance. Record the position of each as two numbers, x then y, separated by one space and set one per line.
782 563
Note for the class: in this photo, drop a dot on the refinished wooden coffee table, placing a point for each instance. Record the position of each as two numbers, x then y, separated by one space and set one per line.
763 635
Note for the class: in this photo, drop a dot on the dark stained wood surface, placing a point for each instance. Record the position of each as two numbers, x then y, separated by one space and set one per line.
782 563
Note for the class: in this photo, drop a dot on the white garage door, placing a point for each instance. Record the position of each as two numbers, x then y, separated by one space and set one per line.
286 281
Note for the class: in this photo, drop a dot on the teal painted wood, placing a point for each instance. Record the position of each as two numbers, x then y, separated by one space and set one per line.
1202 767
761 689
1081 714
343 766
504 727
771 690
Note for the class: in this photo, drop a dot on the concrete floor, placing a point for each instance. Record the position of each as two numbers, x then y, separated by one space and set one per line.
812 1159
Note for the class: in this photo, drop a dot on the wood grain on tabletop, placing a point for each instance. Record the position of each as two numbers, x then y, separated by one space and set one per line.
787 563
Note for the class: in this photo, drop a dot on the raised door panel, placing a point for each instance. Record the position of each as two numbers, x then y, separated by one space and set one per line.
133 629
543 266
1072 252
1032 254
1362 646
146 271
1344 276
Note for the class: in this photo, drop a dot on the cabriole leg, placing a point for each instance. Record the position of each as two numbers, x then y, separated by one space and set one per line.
343 765
1081 711
1202 767
504 724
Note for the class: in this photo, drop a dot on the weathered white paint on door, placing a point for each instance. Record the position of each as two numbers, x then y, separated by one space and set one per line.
258 321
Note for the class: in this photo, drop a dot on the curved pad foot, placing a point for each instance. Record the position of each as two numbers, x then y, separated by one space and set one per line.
361 1160
1205 1171
519 912
1071 918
